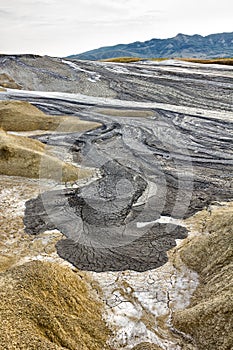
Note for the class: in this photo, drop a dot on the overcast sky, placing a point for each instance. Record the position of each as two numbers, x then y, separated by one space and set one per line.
64 27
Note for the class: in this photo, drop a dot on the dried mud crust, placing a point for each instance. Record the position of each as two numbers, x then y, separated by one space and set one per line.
170 164
94 220
16 246
209 88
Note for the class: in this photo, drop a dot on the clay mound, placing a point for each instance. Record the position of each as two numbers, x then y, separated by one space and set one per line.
21 156
44 306
22 116
7 82
209 317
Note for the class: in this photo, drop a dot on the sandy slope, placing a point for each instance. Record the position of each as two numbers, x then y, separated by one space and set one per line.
21 156
183 135
44 306
23 116
7 82
209 317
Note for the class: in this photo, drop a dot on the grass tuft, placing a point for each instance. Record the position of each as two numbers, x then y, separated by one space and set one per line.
226 61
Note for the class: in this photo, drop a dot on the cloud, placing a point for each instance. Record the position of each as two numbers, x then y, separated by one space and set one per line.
58 26
4 12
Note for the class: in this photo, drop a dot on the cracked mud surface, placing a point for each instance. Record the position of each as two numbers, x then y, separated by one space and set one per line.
130 298
172 160
156 163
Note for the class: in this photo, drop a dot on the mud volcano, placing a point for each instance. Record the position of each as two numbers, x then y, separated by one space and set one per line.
163 153
148 175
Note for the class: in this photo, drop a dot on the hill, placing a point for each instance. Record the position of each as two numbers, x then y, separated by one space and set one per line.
196 46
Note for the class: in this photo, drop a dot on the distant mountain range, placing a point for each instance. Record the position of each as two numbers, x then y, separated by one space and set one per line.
197 46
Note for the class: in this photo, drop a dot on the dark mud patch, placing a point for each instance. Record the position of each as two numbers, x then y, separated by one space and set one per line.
101 221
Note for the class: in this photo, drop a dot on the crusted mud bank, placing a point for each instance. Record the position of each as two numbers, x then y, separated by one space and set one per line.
171 82
163 153
146 346
131 302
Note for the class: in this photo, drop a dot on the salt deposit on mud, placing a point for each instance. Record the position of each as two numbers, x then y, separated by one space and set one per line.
171 161
16 246
43 303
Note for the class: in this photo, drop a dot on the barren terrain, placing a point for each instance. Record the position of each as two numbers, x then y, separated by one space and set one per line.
162 152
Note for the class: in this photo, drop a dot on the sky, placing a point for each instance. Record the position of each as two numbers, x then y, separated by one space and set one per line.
65 27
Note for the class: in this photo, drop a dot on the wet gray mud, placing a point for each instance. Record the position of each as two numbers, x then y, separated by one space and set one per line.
169 163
